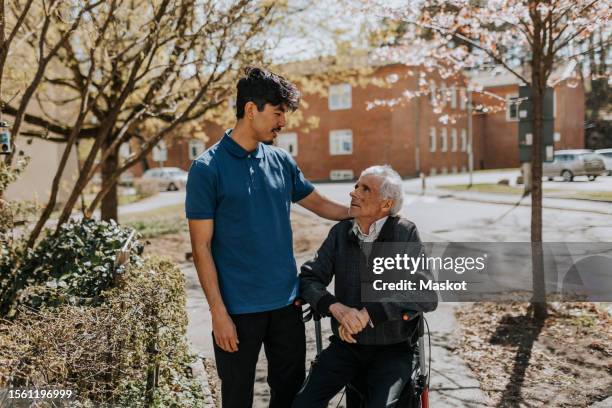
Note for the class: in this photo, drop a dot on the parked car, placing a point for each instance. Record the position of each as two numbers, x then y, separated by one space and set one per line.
167 178
571 163
607 158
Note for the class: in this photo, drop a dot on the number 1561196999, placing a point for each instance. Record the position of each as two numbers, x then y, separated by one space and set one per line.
39 393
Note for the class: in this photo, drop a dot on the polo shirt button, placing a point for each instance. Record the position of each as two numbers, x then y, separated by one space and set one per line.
249 156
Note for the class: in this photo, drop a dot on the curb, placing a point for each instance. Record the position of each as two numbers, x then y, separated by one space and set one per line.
201 375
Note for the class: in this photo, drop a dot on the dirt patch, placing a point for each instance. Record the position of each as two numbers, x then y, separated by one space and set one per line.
564 362
309 231
174 246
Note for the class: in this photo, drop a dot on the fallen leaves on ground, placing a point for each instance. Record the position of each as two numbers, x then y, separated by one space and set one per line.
565 361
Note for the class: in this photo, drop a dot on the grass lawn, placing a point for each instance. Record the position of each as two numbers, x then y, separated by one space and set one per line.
160 221
589 195
484 188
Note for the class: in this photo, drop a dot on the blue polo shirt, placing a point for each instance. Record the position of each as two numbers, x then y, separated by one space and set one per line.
249 196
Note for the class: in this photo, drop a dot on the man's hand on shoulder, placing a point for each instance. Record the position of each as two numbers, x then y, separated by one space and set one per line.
324 207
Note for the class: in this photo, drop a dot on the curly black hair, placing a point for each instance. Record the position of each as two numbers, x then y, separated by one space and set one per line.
261 87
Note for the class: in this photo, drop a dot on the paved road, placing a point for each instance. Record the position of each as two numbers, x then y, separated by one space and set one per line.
163 199
493 217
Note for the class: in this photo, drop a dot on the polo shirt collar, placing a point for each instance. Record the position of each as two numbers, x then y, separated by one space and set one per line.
234 148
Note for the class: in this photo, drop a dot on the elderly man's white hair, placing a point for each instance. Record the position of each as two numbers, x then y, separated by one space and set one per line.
391 187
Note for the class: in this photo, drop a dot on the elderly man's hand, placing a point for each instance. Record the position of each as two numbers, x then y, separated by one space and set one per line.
345 335
352 319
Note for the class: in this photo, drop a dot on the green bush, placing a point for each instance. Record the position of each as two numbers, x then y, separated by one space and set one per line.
74 266
107 353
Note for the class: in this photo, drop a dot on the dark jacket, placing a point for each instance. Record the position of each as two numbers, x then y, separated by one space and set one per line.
341 256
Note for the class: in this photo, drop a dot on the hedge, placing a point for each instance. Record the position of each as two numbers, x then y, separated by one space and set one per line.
130 350
74 265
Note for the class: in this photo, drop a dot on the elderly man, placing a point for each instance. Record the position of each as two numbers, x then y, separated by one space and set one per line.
371 341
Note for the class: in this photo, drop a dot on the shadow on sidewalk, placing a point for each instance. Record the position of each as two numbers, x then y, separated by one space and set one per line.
521 332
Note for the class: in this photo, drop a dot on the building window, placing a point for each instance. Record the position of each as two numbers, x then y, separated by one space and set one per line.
512 106
340 97
341 175
557 137
453 97
432 139
160 152
196 147
463 169
454 169
289 142
443 94
432 92
462 99
432 171
463 140
453 140
444 140
341 142
444 170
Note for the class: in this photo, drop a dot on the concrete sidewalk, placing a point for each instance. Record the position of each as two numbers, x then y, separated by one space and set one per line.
452 382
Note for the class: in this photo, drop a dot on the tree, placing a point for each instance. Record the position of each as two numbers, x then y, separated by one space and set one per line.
46 27
452 36
132 72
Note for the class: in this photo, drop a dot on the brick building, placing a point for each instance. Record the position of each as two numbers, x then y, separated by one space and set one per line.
408 135
497 132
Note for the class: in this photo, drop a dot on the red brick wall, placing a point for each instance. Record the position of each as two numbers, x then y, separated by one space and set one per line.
380 135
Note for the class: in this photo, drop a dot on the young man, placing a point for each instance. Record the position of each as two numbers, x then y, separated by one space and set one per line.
239 195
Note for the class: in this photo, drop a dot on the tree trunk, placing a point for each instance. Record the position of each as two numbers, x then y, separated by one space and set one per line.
110 202
538 84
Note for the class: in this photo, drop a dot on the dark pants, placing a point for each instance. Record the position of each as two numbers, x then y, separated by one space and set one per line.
281 331
382 370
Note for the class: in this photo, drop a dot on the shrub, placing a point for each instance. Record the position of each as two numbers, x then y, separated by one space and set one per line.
106 354
74 265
